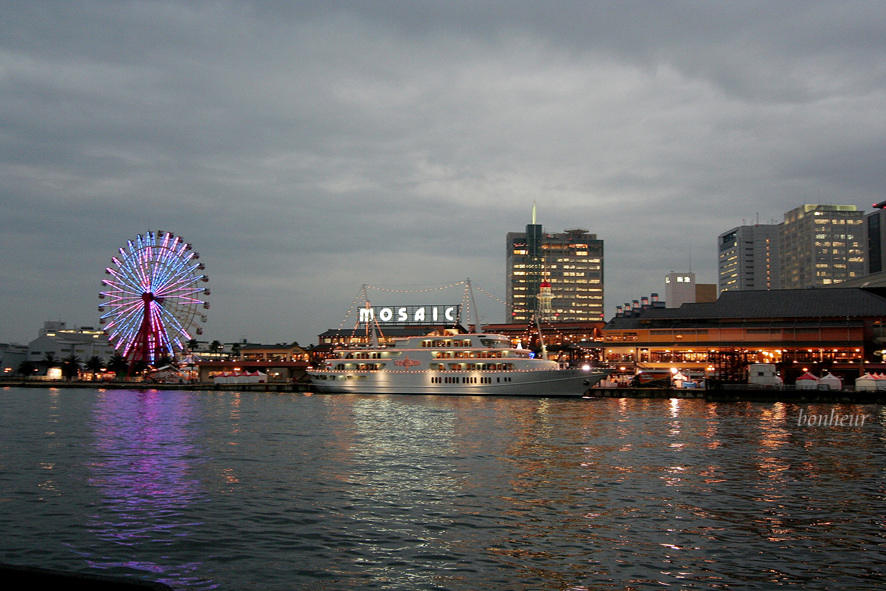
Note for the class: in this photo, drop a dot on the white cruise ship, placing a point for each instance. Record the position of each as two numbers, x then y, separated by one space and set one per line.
456 364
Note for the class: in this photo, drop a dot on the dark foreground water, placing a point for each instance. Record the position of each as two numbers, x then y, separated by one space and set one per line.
220 490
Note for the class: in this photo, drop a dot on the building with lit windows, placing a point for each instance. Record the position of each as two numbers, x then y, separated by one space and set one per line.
841 330
821 245
875 224
748 258
569 263
279 363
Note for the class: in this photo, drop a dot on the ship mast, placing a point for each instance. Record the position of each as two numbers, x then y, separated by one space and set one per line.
474 315
370 319
541 339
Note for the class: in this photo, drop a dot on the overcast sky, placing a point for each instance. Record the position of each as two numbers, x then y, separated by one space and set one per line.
308 148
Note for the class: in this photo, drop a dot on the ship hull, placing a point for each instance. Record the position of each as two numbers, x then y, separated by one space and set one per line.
542 383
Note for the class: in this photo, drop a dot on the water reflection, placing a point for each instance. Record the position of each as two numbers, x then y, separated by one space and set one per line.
400 483
738 468
143 464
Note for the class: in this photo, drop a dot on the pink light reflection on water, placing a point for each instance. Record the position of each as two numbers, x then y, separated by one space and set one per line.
145 456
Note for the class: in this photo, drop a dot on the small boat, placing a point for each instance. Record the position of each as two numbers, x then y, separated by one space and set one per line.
451 364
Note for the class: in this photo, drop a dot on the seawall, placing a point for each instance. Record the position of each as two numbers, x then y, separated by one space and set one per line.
738 393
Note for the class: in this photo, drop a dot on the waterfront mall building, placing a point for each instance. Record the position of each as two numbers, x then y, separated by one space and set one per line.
836 330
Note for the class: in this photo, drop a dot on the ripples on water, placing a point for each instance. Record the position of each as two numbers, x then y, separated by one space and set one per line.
210 490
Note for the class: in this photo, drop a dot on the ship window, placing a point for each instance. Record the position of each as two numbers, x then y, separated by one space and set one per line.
494 343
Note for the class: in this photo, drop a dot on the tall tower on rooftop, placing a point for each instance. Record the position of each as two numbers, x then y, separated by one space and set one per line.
570 263
545 297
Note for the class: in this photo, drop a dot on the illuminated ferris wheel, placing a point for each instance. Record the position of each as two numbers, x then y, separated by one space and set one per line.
155 297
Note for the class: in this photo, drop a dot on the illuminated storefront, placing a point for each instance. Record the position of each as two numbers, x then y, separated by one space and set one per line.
835 329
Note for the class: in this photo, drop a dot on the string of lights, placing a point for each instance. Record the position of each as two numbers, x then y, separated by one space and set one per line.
422 290
347 315
496 298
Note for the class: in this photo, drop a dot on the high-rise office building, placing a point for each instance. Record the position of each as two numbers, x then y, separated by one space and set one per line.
570 261
749 258
875 224
821 245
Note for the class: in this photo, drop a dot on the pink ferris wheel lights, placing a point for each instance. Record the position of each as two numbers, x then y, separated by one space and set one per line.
154 297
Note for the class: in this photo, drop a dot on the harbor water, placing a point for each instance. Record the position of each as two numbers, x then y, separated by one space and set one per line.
274 491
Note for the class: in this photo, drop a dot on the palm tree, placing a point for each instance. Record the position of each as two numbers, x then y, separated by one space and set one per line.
95 365
71 366
118 364
48 362
138 366
27 368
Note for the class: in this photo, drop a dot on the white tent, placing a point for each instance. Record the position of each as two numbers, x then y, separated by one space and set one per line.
831 381
867 382
807 381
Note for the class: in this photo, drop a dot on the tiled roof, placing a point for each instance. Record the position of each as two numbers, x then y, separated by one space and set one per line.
775 304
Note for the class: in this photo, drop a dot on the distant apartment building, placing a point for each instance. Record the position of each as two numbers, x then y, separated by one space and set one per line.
569 264
821 245
748 258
